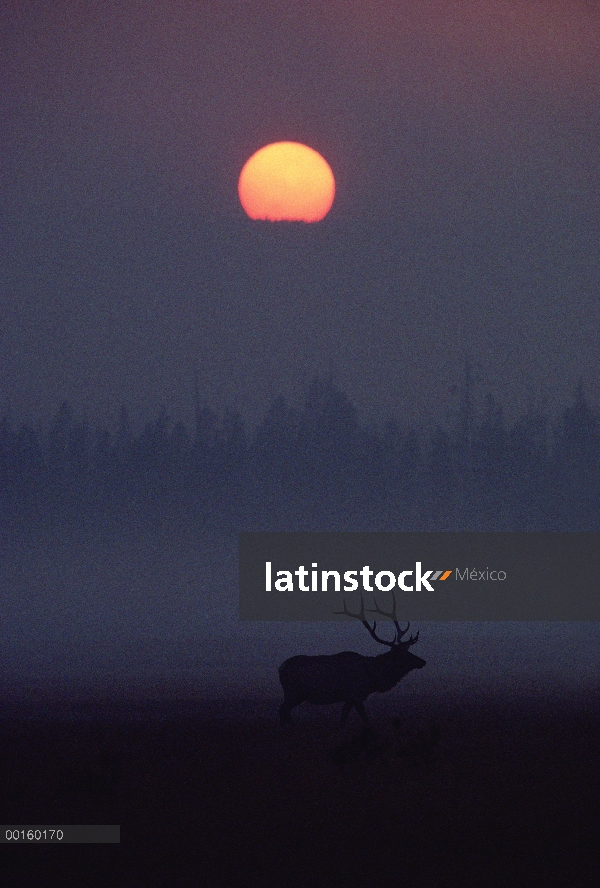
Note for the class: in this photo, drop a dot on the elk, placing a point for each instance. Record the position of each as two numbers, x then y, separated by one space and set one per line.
348 678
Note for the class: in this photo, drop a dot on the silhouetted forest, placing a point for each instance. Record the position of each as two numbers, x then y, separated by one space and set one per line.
315 468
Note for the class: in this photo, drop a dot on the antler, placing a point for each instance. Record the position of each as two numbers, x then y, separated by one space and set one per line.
392 616
361 616
400 633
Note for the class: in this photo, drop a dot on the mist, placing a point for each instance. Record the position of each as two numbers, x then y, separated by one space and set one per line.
147 610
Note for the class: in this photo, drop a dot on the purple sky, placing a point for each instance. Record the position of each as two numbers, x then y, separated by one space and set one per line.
465 141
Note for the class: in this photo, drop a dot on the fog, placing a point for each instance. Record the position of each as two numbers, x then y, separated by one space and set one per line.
117 610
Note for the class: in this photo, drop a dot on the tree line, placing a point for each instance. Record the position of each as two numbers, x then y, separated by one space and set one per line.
314 468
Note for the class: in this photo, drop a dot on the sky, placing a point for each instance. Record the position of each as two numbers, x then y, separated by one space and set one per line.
464 138
465 141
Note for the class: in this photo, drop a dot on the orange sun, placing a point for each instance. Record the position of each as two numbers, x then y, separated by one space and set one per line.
286 181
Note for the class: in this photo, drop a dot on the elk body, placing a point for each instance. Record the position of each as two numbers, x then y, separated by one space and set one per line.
347 677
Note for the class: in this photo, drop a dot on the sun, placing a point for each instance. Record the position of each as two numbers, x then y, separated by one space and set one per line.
286 182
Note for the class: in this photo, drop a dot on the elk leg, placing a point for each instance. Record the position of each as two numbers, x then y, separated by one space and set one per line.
285 715
361 711
346 712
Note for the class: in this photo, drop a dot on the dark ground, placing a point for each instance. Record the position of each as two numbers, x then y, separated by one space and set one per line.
484 794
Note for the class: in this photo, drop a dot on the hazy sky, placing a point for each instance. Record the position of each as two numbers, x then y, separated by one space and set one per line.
465 141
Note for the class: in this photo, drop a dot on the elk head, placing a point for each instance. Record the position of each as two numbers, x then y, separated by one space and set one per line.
399 649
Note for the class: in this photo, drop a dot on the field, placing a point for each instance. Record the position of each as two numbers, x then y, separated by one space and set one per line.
469 794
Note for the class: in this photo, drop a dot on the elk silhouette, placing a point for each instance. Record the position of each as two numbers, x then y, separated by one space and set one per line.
348 678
